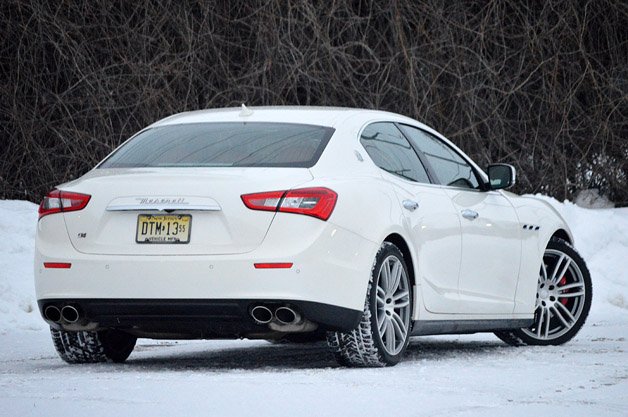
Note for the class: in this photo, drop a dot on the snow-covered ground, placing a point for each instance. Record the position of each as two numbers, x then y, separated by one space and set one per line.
472 375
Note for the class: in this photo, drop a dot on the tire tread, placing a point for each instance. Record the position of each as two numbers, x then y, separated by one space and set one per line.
78 347
358 347
92 347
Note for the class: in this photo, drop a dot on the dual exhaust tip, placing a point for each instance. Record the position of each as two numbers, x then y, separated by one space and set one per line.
284 315
261 314
69 314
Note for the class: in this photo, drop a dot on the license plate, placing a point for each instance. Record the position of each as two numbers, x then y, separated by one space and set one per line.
173 228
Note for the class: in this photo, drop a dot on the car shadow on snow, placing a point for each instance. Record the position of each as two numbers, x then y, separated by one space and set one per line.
298 356
295 356
439 349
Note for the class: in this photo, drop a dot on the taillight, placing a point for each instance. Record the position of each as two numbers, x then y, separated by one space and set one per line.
58 201
317 202
263 201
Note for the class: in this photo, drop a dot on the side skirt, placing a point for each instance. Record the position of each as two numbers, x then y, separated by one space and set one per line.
432 327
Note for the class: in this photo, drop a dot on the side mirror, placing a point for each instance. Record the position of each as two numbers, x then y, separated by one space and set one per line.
500 176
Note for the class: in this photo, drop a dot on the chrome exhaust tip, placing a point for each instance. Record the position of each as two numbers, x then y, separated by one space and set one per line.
286 315
70 314
53 314
261 314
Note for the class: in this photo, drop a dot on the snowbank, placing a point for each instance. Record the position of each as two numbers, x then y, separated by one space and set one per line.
18 307
601 237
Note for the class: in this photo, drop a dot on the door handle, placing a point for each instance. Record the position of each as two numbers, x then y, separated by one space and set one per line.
470 214
410 205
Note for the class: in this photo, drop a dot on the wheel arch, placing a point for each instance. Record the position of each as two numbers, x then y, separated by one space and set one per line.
399 241
562 234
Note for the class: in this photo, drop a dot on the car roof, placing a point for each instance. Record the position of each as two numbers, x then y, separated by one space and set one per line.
322 116
334 117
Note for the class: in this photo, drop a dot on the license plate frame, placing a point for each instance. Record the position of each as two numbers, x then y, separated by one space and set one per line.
170 239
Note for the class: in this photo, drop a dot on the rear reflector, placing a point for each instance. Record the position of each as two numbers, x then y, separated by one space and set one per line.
317 202
57 265
275 265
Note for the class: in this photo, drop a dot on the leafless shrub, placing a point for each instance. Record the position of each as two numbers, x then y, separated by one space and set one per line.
542 85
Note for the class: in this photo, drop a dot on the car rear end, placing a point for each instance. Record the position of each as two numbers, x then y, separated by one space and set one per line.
202 230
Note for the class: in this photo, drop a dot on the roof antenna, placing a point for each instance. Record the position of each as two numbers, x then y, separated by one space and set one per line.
245 111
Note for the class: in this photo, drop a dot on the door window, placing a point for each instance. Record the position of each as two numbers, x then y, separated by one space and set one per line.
450 168
392 152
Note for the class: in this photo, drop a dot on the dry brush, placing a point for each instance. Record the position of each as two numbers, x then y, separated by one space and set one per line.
542 85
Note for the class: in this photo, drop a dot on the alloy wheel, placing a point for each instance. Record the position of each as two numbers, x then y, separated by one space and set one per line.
393 305
560 297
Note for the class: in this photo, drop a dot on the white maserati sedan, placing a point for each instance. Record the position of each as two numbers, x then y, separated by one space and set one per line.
300 223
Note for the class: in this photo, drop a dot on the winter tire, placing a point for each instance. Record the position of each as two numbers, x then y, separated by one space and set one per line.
563 299
92 347
383 333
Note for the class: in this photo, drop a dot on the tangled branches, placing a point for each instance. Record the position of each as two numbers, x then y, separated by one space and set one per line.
543 85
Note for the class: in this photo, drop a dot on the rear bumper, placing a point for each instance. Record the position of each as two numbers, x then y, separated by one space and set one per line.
330 270
193 318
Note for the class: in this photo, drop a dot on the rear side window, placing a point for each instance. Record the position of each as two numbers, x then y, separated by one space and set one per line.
450 168
392 152
223 145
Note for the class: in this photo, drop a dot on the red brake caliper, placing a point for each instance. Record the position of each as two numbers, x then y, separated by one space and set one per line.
562 282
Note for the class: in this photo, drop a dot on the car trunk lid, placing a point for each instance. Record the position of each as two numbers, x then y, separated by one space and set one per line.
205 200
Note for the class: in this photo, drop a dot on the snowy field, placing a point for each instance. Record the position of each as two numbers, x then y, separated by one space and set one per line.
471 375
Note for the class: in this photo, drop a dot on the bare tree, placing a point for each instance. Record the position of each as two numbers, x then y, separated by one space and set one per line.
542 85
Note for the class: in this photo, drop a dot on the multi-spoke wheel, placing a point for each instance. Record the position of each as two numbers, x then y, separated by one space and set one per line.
383 333
393 304
563 299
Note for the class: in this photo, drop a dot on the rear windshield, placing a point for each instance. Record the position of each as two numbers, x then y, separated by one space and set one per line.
223 145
